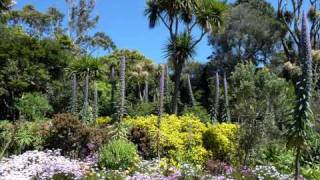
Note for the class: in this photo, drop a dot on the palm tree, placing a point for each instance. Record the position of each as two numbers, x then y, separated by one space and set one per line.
140 74
179 51
185 15
86 68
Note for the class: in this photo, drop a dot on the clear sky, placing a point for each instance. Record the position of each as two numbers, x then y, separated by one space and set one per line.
124 22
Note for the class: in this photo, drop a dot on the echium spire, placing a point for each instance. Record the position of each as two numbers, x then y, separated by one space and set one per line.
306 56
301 127
305 83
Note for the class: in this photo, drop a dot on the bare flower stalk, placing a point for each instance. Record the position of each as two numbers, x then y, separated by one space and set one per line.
226 98
161 94
122 86
74 94
217 96
190 91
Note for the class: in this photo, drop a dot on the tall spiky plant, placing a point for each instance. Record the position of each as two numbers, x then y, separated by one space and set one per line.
95 101
193 101
122 87
86 92
74 93
161 98
217 97
301 127
226 98
113 84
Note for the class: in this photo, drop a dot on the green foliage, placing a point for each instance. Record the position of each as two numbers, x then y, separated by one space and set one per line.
118 154
198 111
22 136
34 106
276 154
180 137
221 140
142 109
29 65
262 102
311 172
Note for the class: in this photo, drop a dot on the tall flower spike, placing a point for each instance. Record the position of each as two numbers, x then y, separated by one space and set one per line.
122 85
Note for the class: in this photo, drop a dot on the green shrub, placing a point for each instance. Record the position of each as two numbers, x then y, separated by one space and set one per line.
19 137
311 172
180 137
7 130
29 136
198 111
141 109
221 140
277 155
118 154
33 106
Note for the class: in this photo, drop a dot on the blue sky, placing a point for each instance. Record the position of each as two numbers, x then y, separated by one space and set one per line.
124 22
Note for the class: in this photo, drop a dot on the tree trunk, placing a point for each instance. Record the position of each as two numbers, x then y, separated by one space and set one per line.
217 97
146 91
96 108
74 94
177 79
140 95
297 164
122 86
86 93
190 91
226 98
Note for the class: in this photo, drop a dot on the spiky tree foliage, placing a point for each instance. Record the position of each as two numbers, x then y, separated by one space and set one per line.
183 14
140 74
217 96
122 87
226 97
5 5
179 50
301 127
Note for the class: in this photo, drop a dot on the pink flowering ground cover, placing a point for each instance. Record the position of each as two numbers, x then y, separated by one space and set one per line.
41 165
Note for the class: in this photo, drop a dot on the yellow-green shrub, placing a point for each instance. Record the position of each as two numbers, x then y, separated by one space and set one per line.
180 137
221 140
103 120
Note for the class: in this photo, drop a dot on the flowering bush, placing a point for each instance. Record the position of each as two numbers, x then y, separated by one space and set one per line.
180 137
41 165
269 172
220 139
